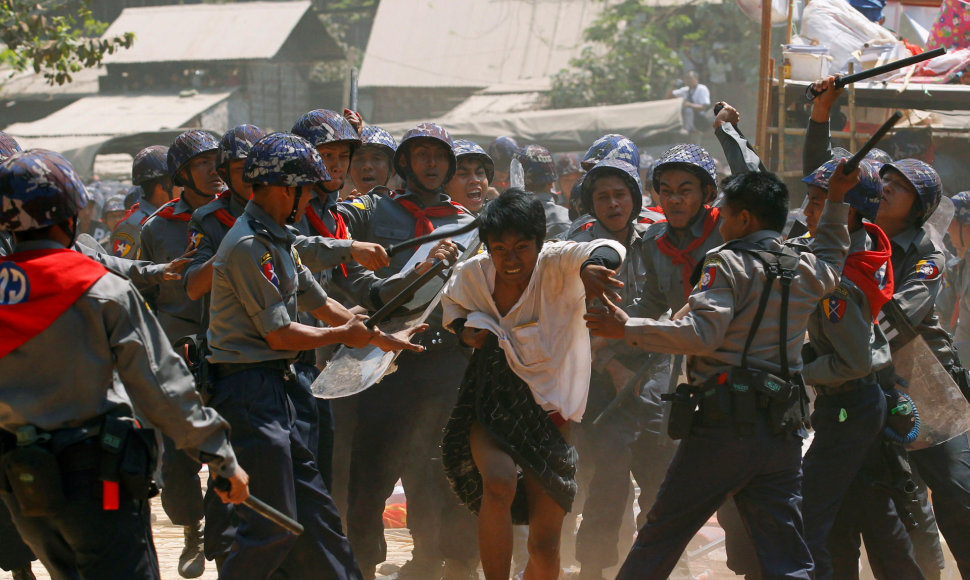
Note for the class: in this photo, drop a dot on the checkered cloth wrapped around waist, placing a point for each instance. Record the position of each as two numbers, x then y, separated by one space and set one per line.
492 394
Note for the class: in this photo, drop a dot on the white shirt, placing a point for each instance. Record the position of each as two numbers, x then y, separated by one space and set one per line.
701 95
543 335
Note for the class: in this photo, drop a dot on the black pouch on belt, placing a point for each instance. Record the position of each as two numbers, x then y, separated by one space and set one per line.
138 463
683 404
35 479
744 402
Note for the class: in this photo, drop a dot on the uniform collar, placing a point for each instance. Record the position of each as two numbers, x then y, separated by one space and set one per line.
182 207
146 206
235 207
545 196
416 199
599 232
859 241
906 238
274 229
761 236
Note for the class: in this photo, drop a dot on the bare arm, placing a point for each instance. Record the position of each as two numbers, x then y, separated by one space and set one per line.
198 281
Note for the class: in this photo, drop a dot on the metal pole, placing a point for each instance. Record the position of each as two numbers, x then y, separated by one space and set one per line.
852 138
764 73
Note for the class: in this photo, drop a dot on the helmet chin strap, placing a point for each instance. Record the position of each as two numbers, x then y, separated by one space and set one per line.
190 181
69 232
291 219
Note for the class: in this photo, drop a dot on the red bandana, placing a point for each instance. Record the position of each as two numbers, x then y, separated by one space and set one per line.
222 214
168 212
39 286
423 225
128 213
872 271
323 230
683 258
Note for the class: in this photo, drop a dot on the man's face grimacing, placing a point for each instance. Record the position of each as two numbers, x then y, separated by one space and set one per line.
469 184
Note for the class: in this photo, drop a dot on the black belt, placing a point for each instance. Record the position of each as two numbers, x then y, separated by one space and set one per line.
846 387
223 370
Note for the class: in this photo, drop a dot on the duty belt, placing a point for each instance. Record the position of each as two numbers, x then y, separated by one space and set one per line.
846 387
223 370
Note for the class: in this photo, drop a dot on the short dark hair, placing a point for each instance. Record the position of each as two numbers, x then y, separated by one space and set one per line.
762 194
513 211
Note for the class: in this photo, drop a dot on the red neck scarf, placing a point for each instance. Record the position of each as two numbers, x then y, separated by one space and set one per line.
323 230
168 212
683 257
872 271
131 210
39 286
222 214
423 225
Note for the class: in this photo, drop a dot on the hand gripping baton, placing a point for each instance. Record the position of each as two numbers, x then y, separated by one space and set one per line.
264 509
841 81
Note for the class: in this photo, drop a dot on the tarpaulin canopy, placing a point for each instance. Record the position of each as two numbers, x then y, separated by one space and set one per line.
565 129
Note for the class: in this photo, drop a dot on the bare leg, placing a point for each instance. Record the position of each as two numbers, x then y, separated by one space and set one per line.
499 478
545 529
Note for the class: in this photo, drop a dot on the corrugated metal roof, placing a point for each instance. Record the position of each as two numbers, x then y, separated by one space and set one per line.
477 43
201 32
119 115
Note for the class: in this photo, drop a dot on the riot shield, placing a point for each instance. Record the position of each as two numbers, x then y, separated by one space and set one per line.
943 411
352 370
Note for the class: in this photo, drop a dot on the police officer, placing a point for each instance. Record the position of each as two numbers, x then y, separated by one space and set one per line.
611 194
475 171
400 419
15 556
372 165
847 354
502 151
540 177
745 446
164 236
912 191
80 500
253 336
149 175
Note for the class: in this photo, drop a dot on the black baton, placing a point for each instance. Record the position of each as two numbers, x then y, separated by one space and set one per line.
856 159
264 509
353 89
438 234
628 389
841 81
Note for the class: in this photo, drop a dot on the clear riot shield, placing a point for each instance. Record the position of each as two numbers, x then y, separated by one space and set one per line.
352 370
943 411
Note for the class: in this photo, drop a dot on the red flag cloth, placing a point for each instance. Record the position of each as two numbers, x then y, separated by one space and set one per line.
423 225
683 258
36 287
168 212
323 230
872 270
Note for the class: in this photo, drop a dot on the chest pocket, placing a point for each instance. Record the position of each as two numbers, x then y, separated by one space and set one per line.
527 340
391 233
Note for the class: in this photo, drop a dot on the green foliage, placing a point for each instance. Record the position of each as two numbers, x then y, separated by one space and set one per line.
637 52
56 37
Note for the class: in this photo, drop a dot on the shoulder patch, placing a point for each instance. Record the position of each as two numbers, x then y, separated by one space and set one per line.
296 258
14 284
195 238
927 270
834 307
123 245
266 262
708 273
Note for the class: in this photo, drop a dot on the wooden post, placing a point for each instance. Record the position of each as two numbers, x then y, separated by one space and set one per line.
791 10
780 139
764 77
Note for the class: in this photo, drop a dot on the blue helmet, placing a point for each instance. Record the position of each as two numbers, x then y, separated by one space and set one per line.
622 169
237 143
150 163
537 164
502 151
374 136
470 149
424 132
865 196
8 146
692 158
612 145
961 207
38 188
187 146
323 126
284 159
925 179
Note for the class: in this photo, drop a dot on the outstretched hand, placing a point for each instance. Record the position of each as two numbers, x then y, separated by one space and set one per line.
400 340
173 270
600 282
608 321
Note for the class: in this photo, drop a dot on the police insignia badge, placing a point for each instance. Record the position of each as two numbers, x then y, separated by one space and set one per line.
195 238
14 284
833 307
708 275
267 264
927 270
122 246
